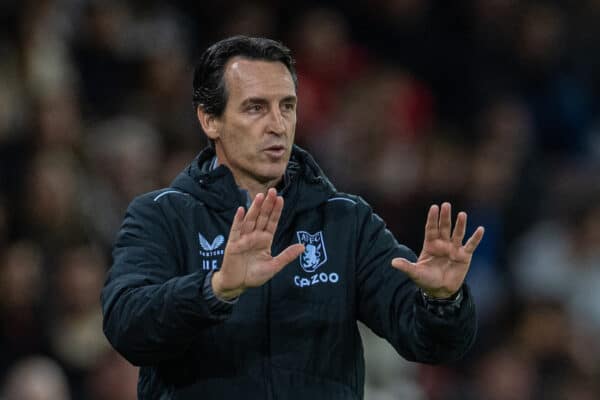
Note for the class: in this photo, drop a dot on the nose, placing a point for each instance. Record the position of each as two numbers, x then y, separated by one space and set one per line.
276 122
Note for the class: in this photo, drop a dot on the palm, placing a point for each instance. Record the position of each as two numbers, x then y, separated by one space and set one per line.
253 253
248 261
444 261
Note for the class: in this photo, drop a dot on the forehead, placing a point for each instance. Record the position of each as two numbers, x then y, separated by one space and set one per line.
258 78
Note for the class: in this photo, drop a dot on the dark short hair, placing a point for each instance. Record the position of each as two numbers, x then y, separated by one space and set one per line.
210 92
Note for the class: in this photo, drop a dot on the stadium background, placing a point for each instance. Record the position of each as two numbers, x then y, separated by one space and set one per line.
490 104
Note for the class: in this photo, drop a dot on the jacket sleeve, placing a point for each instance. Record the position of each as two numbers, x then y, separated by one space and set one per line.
151 309
390 304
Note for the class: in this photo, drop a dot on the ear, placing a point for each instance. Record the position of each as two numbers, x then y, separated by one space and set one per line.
210 123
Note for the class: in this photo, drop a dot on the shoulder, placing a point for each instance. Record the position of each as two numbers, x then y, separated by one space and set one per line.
347 206
347 201
156 202
157 198
165 193
343 198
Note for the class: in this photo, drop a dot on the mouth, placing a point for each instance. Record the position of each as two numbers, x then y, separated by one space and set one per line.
275 151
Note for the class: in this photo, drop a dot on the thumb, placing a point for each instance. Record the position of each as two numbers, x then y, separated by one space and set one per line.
405 266
287 256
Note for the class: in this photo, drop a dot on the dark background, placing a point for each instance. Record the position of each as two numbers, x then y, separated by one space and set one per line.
490 104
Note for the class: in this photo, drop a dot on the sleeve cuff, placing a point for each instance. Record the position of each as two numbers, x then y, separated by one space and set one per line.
443 307
216 305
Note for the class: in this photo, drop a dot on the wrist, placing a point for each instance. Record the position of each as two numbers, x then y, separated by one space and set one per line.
456 297
219 292
448 296
443 307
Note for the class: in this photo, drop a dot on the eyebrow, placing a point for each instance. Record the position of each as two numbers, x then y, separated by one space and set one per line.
287 99
262 100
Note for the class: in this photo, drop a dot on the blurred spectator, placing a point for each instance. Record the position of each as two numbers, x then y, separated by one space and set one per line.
560 102
4 222
251 18
51 210
372 148
12 96
125 156
76 336
559 259
505 133
102 45
504 374
46 29
175 163
36 378
76 330
59 124
164 99
113 378
23 330
387 378
328 59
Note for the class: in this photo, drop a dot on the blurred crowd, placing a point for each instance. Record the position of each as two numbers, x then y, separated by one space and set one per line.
490 104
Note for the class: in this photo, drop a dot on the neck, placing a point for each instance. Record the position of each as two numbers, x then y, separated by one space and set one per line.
254 187
243 181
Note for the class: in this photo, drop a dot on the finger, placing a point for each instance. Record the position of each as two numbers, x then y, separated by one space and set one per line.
431 226
252 214
459 228
266 209
236 225
275 214
406 266
445 221
474 240
287 256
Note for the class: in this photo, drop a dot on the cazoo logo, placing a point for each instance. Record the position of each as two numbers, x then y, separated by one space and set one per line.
316 279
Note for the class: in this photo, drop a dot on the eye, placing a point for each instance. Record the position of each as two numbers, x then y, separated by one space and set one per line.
289 106
254 108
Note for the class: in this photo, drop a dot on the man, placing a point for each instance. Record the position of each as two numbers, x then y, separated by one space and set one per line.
220 291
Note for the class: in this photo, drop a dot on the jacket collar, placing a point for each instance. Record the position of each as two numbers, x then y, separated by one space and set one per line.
305 185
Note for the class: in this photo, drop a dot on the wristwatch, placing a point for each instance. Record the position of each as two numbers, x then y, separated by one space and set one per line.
443 307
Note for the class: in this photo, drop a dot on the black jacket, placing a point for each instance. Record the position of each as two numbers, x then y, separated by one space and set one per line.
293 338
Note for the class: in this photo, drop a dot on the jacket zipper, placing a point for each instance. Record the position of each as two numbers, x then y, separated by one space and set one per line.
268 373
268 368
279 245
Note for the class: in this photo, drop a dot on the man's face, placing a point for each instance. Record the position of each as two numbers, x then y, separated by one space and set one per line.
254 136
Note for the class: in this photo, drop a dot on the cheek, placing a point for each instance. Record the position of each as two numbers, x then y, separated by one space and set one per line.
240 142
234 135
292 124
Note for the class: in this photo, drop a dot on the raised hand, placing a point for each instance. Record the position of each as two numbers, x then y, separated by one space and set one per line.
247 261
444 260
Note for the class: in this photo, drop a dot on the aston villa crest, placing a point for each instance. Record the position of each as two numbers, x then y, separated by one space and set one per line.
314 250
